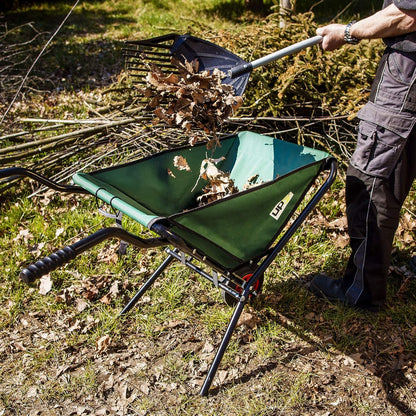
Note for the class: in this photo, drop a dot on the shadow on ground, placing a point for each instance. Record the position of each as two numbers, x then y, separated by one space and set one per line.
381 345
79 56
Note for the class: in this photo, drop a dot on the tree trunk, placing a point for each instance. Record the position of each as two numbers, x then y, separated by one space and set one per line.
286 7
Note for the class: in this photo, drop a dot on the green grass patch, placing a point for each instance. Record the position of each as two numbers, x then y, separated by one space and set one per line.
304 356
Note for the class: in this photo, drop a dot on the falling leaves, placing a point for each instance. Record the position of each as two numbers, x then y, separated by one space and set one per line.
195 101
180 163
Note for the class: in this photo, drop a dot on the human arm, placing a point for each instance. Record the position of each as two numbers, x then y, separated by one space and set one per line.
386 23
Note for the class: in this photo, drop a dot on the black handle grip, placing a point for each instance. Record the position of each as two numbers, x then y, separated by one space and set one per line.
240 70
48 264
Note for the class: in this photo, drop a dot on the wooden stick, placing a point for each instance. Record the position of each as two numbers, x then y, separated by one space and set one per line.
71 135
75 121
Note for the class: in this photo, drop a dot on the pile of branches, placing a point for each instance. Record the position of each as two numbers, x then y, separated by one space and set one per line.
60 148
17 46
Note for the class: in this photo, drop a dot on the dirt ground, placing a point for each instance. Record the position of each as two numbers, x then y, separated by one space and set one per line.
45 373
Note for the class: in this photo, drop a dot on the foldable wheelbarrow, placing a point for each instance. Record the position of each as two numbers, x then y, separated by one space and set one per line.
238 236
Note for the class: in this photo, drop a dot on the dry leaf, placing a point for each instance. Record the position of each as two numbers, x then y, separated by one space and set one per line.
36 249
248 320
103 343
339 223
80 304
220 184
45 284
59 231
24 235
144 388
114 291
180 163
64 295
175 323
108 254
252 181
208 348
209 170
341 241
222 376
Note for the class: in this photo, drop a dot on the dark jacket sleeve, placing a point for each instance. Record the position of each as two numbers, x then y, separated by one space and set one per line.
405 4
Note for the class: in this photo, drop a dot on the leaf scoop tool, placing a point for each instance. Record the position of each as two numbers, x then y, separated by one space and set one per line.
210 56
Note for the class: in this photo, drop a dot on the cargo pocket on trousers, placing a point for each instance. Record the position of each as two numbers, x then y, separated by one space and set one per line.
381 138
377 151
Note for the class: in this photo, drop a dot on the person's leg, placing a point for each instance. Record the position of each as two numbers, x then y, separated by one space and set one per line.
373 216
373 211
380 175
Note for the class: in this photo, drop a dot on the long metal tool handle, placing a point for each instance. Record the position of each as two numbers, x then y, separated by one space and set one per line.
248 67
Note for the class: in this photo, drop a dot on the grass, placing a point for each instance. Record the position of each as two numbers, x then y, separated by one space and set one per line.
296 335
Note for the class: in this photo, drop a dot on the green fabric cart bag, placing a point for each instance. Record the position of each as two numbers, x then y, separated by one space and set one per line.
231 230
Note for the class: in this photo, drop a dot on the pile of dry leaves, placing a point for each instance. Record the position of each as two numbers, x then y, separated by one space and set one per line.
219 185
196 101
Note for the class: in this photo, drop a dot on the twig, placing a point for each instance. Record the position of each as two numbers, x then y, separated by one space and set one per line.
410 212
326 118
71 135
25 132
343 10
75 121
36 60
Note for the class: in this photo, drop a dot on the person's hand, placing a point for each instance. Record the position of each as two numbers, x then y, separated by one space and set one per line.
333 36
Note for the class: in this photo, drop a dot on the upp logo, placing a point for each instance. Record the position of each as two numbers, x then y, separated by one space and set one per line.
280 206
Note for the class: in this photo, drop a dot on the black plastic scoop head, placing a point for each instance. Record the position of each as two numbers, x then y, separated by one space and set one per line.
210 56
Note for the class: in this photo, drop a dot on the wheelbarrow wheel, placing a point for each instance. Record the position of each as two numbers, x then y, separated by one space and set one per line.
232 301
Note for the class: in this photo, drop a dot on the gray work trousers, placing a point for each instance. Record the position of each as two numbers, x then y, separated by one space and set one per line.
379 177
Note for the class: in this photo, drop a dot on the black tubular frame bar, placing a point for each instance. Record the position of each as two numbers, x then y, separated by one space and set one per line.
68 253
17 172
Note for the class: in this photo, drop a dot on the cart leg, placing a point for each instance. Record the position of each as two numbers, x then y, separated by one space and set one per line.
147 285
221 350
